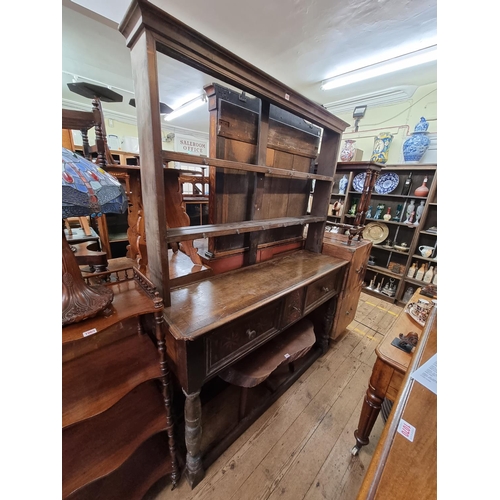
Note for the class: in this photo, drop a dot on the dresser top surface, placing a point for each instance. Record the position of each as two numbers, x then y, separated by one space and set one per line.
200 307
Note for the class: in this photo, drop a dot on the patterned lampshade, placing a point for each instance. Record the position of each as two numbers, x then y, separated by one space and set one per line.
89 190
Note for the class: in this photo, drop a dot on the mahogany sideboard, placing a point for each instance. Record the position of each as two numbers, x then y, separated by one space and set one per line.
402 468
387 374
117 428
215 322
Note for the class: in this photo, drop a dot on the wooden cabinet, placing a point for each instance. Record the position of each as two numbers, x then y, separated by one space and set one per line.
387 263
116 417
357 254
270 148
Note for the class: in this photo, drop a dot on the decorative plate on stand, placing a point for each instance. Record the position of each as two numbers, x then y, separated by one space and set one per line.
387 183
358 182
376 232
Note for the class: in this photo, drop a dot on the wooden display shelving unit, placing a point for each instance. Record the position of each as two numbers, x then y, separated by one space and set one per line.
399 232
116 395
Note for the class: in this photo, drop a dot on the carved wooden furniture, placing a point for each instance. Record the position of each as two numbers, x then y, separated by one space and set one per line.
267 146
387 374
401 468
357 253
117 429
371 171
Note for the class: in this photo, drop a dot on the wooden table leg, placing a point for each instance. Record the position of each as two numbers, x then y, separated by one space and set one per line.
192 417
377 389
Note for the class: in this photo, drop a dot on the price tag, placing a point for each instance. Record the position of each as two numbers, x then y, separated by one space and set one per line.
90 332
287 356
407 430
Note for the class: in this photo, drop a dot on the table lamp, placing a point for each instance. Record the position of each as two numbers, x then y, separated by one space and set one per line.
87 190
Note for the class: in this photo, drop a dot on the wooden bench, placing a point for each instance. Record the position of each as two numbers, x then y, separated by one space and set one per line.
255 368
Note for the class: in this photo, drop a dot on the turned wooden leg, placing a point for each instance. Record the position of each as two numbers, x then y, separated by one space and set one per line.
377 388
165 381
192 418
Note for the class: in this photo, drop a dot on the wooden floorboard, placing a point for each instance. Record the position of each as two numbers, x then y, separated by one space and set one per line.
300 448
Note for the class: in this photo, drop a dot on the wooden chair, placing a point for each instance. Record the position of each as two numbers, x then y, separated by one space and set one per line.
255 368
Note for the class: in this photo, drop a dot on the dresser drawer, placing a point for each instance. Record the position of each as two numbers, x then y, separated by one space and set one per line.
230 342
322 289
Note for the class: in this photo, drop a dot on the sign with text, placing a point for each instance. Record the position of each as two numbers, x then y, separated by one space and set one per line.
191 145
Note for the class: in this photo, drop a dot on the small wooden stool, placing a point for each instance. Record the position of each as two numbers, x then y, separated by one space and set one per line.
255 368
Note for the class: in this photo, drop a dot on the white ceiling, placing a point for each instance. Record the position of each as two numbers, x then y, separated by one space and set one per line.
299 42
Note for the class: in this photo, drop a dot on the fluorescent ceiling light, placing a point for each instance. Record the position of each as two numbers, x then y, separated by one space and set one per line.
187 107
398 63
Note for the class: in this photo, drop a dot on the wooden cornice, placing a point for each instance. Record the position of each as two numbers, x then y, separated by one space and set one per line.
177 40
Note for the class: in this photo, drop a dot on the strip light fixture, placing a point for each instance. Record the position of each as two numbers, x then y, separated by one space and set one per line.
187 107
390 65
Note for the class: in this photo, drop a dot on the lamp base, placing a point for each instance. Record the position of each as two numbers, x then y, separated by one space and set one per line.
79 300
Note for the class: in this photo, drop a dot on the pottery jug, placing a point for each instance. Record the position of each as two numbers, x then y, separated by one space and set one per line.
417 144
381 147
347 153
425 251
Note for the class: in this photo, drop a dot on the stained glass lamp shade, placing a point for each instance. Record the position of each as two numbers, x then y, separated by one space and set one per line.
87 190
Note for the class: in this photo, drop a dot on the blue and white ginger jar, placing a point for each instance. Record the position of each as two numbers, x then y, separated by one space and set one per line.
417 144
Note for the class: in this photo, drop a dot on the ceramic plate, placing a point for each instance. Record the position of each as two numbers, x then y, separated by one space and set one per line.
358 182
411 311
387 183
375 232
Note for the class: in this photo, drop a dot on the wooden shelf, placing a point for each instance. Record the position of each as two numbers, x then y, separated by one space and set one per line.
135 418
381 247
378 294
149 463
195 232
403 196
92 384
237 165
428 259
383 270
428 232
129 300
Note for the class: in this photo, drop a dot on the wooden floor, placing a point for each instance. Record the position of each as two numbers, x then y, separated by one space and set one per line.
300 448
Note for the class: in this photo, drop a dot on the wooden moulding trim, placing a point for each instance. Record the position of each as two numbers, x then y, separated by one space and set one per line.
183 43
195 232
237 165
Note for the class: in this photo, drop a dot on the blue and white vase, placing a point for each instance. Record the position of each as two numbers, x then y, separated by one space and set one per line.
417 144
343 184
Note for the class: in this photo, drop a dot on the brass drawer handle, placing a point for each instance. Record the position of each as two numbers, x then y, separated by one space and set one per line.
251 334
325 289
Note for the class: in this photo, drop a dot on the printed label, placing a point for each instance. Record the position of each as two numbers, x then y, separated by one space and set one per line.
90 332
407 430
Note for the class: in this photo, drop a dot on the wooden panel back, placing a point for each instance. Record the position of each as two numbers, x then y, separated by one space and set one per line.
291 145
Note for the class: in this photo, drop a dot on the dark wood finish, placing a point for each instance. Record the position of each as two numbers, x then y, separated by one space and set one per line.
238 165
214 323
116 392
357 254
413 235
283 349
149 463
387 375
401 468
181 42
263 151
